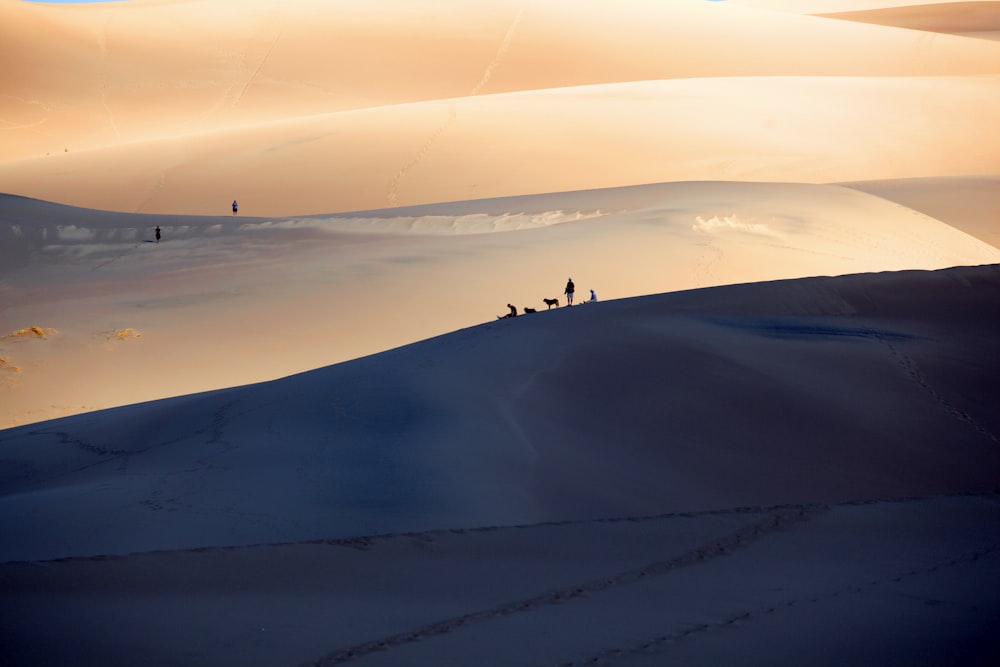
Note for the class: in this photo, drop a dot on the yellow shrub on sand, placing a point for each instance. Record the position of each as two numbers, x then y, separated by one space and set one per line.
5 365
127 332
32 332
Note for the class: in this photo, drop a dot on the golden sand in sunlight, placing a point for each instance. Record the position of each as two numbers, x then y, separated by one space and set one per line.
320 107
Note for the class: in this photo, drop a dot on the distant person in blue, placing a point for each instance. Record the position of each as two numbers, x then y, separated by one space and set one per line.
570 288
593 296
236 208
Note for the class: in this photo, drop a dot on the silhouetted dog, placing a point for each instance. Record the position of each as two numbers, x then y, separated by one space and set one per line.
529 310
551 302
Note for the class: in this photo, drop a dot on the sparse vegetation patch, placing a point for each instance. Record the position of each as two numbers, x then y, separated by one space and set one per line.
32 332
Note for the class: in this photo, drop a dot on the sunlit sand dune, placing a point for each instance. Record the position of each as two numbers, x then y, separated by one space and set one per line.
249 111
777 129
970 204
225 301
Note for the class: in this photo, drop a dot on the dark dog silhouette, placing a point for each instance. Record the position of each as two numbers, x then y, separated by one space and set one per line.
529 310
551 302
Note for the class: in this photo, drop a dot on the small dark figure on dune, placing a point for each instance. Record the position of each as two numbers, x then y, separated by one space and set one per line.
236 208
512 313
529 310
157 233
551 302
570 289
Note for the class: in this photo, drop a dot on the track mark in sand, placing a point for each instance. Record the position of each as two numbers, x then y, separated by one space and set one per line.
371 542
6 124
102 43
660 642
501 52
743 537
913 370
89 447
111 260
180 490
393 190
708 261
151 192
392 193
257 69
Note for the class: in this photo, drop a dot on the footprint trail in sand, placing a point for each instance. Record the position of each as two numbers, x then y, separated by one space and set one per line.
393 190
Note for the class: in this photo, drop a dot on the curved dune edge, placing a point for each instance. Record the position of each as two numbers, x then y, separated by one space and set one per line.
966 203
772 129
511 423
532 98
229 301
946 17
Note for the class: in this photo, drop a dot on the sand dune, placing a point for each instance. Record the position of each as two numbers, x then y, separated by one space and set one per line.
224 301
251 114
772 456
803 584
953 17
832 390
309 440
968 204
779 129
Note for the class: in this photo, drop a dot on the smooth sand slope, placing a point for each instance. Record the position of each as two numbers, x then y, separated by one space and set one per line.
969 204
772 472
962 18
322 107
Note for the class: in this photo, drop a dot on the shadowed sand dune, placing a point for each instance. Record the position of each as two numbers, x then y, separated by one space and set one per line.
770 459
794 583
949 17
811 390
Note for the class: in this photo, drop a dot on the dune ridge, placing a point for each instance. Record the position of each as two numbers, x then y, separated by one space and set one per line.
291 300
413 439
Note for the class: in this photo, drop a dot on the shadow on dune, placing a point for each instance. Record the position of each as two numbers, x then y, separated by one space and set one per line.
813 390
